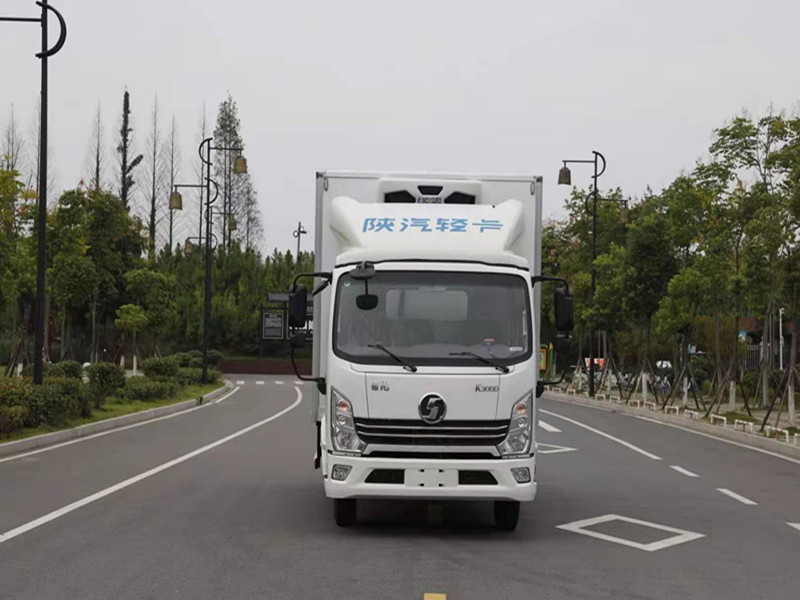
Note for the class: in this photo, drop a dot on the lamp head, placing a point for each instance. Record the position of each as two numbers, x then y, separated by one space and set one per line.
564 176
240 165
175 201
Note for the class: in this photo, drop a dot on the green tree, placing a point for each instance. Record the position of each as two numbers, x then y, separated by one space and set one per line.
131 319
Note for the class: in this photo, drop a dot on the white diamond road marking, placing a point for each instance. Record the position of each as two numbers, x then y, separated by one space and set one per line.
548 427
736 496
553 449
240 382
682 536
683 471
259 383
795 525
278 383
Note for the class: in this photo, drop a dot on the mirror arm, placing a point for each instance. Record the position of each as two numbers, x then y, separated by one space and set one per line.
540 278
321 287
326 275
320 381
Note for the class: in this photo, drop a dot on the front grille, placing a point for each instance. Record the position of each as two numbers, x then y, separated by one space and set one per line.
432 455
417 433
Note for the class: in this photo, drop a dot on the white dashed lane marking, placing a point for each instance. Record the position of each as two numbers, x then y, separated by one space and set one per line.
278 383
548 427
795 525
259 383
737 497
240 382
683 471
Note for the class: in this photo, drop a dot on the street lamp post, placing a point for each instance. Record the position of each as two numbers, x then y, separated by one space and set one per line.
41 257
296 234
565 178
240 166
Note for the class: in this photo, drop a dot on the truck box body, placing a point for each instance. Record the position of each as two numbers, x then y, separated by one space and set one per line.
421 384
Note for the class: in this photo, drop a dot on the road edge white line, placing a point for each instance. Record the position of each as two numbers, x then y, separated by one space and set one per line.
714 437
603 434
683 471
737 497
52 516
117 429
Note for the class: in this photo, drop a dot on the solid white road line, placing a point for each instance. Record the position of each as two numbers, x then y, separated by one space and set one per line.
795 525
548 427
226 396
736 496
118 429
719 439
278 383
683 471
259 383
4 537
603 434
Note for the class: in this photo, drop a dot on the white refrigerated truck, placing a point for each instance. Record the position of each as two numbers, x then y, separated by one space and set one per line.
426 337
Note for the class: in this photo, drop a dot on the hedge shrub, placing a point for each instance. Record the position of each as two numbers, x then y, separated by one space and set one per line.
105 379
12 418
146 389
182 358
71 368
164 367
195 354
194 376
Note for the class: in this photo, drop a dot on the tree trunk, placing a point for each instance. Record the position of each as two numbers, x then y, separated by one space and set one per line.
93 347
792 376
717 346
63 333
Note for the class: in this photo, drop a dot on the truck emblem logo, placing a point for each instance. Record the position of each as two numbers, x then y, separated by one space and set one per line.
486 388
432 409
380 386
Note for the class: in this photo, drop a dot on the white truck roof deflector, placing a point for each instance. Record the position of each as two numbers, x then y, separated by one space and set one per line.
379 231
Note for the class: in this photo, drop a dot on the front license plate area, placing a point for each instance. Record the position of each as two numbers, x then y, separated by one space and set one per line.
434 478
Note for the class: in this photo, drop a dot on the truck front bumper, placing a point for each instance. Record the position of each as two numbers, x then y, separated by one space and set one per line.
430 478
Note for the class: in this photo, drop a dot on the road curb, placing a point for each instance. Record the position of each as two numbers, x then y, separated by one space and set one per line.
57 437
719 431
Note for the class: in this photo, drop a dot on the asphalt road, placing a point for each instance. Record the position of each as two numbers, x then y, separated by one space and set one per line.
222 502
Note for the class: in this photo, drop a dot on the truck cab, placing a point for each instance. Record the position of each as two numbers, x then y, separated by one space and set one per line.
426 337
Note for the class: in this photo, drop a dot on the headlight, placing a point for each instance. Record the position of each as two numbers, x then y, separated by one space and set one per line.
343 429
518 440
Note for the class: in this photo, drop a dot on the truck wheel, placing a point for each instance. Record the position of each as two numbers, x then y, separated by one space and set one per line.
506 514
344 512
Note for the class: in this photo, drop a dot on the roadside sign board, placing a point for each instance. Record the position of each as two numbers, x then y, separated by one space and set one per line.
272 325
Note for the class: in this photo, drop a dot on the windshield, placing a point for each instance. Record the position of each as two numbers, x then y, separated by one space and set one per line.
433 318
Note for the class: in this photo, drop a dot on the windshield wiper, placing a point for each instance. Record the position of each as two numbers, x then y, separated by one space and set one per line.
406 365
484 360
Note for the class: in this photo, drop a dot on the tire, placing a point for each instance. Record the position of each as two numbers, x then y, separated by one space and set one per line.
344 512
506 515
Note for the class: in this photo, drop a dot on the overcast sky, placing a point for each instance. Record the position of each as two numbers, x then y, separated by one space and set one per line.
414 85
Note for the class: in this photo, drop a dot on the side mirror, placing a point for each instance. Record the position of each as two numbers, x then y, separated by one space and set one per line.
298 305
563 309
298 340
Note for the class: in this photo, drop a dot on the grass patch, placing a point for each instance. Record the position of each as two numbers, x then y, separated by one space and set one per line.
733 416
115 407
